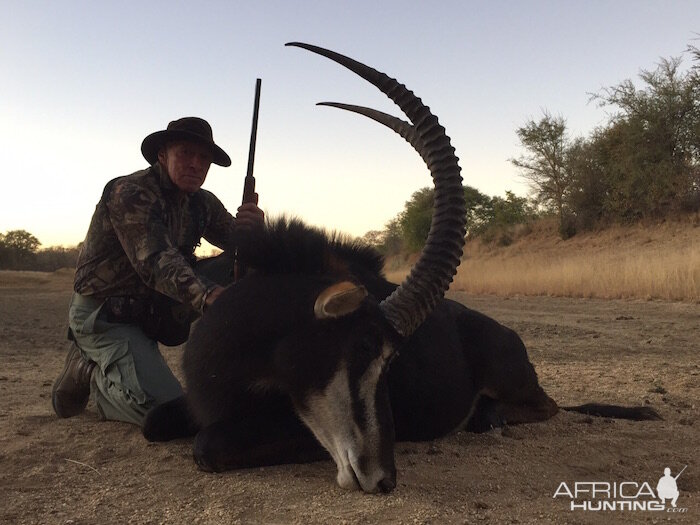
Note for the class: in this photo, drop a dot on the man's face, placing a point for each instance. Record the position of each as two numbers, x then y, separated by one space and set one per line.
187 164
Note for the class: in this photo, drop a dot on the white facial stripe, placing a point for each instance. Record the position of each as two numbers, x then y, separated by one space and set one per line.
329 416
368 396
367 392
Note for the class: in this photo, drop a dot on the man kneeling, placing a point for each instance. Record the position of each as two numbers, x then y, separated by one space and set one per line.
135 281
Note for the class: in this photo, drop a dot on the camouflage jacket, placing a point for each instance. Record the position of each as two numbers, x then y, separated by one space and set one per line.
142 237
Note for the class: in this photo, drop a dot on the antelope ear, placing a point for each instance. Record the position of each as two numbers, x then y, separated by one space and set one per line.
338 300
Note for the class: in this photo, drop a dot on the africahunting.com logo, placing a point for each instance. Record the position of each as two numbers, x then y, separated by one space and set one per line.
601 496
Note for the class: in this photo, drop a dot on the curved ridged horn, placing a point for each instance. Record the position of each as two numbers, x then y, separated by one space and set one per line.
403 128
430 277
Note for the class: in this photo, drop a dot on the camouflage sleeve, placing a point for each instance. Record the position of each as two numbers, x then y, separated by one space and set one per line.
220 230
137 218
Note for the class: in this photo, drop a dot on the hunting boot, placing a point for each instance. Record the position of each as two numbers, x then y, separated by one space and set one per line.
71 390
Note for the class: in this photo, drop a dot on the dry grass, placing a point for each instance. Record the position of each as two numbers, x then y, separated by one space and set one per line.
647 274
659 261
50 281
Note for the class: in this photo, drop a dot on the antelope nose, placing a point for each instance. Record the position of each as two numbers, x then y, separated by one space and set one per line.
387 484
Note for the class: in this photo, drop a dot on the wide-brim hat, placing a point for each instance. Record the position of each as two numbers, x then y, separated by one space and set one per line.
187 128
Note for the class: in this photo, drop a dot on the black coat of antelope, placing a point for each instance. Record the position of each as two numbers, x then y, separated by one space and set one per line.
314 352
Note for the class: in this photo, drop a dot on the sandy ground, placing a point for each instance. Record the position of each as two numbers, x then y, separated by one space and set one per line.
82 470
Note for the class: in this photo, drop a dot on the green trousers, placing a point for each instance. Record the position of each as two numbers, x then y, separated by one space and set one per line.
131 376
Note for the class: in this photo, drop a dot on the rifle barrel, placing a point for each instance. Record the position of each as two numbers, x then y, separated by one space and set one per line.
254 129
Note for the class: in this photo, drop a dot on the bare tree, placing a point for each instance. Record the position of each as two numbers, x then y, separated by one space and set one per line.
544 165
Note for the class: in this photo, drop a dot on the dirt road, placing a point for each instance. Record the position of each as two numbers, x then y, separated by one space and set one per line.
81 470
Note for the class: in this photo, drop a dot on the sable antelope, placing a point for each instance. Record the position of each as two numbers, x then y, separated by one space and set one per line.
314 350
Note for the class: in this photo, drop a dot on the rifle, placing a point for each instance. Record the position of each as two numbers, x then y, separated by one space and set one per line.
249 181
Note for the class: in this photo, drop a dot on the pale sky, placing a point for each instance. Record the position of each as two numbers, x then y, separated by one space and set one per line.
82 83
